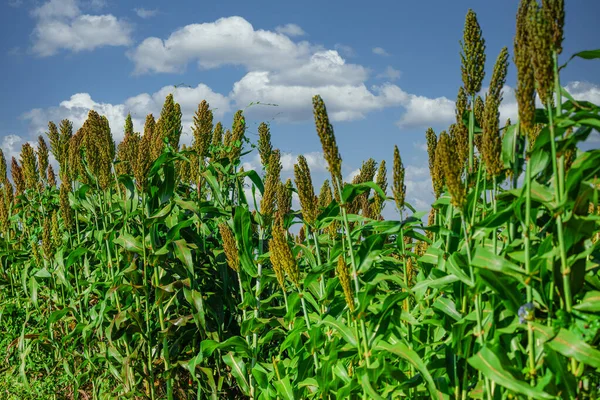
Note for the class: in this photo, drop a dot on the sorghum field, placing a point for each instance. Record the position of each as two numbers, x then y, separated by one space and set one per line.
149 270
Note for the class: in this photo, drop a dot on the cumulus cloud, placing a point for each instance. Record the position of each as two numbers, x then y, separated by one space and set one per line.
390 73
344 102
423 111
145 13
344 50
291 30
227 41
286 73
380 51
78 106
62 26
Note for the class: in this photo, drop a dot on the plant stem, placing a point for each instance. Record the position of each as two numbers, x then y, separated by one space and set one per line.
527 243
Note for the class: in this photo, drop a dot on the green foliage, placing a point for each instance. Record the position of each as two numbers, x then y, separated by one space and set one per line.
146 282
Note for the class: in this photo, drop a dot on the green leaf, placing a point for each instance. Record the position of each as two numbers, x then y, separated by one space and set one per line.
182 251
569 345
238 370
74 255
489 364
242 228
585 54
364 378
350 191
447 306
486 259
401 350
130 243
339 326
284 388
590 302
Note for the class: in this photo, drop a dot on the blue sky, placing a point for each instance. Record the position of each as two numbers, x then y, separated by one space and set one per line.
386 69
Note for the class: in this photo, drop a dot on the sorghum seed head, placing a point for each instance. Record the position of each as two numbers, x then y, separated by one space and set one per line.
344 277
460 137
540 51
30 167
525 90
325 195
472 55
452 171
398 189
264 143
51 177
284 197
378 201
17 177
267 203
328 143
462 102
42 155
306 192
554 11
202 129
230 247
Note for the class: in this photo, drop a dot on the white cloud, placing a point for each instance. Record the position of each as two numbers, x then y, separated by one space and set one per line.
227 41
380 51
61 26
283 72
423 111
344 50
315 160
57 9
291 30
390 73
350 176
344 103
77 107
11 147
145 13
15 3
584 91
